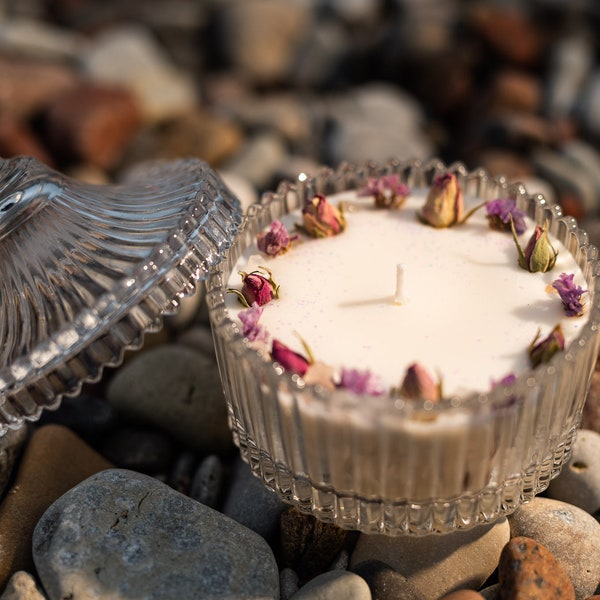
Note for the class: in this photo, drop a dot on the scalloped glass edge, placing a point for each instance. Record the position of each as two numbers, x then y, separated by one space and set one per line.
276 445
81 350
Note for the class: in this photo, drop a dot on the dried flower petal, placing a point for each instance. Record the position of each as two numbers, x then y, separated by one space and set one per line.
251 328
506 380
361 382
444 204
256 288
501 211
275 241
539 254
291 361
542 351
319 373
418 384
388 191
322 219
570 294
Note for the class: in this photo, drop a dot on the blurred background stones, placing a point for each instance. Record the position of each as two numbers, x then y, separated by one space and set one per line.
263 90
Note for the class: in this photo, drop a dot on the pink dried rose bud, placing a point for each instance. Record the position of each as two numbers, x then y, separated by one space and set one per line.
256 288
322 219
542 351
388 191
444 205
319 373
418 384
539 254
275 241
291 361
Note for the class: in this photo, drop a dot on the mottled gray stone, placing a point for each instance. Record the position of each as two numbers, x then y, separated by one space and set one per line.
333 585
250 503
11 444
126 535
182 472
22 586
198 337
178 390
438 564
569 533
579 481
288 583
207 482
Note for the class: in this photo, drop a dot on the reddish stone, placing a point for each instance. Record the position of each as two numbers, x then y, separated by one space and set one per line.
463 595
92 124
17 139
516 90
529 570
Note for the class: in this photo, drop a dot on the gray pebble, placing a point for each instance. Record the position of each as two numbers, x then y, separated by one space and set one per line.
180 477
579 481
199 338
250 503
569 533
208 480
178 390
123 534
334 585
288 583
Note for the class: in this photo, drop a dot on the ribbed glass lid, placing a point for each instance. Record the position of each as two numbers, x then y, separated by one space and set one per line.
85 269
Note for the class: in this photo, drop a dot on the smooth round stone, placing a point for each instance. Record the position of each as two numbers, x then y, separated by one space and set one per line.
436 565
288 583
123 534
579 481
385 583
251 503
208 480
463 595
569 533
334 585
11 444
182 473
178 390
528 569
22 586
198 337
491 592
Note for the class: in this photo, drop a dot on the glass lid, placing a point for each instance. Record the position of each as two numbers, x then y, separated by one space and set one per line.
86 269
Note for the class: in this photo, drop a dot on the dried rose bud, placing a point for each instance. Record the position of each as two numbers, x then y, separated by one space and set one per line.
251 328
444 205
570 294
542 351
539 255
501 211
388 191
257 288
319 373
291 361
322 219
275 241
361 382
418 384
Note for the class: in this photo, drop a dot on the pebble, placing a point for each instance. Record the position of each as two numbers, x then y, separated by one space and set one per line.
22 586
527 569
588 104
208 481
385 583
334 585
18 139
569 533
436 565
11 446
248 500
308 545
288 583
180 477
120 533
178 390
198 337
463 595
54 460
579 481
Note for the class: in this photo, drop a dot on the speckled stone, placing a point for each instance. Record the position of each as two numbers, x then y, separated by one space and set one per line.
123 534
208 481
54 460
579 481
437 565
528 569
22 586
334 585
385 583
178 390
569 533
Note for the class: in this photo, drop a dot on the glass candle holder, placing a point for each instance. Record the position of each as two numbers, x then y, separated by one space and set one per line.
403 467
86 270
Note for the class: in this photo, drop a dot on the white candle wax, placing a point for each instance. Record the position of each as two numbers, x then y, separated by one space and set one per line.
472 312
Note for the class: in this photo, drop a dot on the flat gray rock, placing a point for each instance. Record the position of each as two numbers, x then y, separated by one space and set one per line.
121 534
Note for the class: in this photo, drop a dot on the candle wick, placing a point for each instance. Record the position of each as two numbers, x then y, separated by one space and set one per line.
400 297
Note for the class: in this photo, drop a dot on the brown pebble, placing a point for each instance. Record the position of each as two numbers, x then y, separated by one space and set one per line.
54 461
463 595
529 570
92 124
17 139
516 90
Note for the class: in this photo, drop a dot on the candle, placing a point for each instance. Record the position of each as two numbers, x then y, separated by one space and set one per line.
400 296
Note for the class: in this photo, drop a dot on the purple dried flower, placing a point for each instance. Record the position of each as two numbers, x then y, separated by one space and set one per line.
250 325
388 190
506 380
275 241
418 384
361 382
322 219
501 211
570 294
256 288
542 351
288 359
